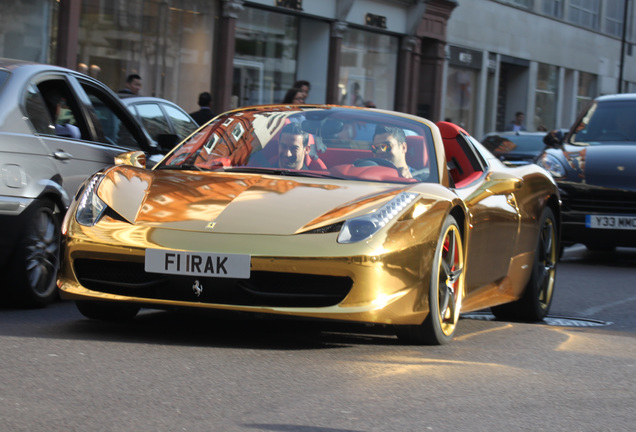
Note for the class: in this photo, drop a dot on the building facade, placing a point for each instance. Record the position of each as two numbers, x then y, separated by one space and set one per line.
474 62
545 58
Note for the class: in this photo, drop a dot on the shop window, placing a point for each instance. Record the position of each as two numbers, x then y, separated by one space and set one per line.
586 90
265 57
545 99
368 69
167 42
460 97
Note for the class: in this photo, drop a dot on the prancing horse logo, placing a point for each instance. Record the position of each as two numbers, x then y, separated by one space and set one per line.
197 288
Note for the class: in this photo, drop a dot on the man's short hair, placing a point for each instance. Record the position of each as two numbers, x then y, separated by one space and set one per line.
396 132
294 128
204 99
132 77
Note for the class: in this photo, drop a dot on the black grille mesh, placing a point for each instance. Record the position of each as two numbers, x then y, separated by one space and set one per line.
261 289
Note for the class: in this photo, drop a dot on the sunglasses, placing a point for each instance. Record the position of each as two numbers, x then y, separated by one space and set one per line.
380 148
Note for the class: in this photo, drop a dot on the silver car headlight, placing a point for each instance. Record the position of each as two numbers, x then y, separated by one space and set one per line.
551 164
90 207
363 227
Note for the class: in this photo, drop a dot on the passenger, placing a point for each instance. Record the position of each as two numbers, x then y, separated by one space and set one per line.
62 117
293 147
389 143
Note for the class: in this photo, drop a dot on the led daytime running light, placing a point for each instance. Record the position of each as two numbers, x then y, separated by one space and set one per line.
391 209
363 227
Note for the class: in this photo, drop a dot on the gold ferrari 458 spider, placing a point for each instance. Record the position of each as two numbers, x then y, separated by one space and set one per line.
322 212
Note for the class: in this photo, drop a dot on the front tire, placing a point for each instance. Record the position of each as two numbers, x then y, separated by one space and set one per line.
535 302
37 259
446 290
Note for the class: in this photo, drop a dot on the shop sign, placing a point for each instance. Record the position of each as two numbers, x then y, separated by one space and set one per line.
290 4
375 20
464 57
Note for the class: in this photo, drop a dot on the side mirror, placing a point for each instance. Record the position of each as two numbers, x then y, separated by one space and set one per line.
166 142
553 139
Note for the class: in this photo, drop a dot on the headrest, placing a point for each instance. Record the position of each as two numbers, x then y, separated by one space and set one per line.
416 154
449 130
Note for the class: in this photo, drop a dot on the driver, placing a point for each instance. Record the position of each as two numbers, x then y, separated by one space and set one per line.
389 143
293 147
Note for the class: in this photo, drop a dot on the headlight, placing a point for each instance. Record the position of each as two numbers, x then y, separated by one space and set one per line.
363 227
552 165
90 207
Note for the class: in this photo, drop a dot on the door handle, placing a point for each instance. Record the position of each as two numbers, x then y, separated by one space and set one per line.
62 155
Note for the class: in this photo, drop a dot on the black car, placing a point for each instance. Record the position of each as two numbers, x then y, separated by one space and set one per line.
594 166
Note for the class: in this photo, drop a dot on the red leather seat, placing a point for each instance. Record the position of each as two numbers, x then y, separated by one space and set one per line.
416 154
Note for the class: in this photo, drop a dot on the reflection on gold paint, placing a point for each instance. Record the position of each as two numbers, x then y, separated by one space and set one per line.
135 236
124 189
201 196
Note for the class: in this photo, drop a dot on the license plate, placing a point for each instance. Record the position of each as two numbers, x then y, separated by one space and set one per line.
610 222
197 264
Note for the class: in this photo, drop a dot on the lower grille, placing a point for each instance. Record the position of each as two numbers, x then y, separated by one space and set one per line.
599 200
261 289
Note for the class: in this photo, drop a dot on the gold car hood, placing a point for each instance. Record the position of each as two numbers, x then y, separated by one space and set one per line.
236 203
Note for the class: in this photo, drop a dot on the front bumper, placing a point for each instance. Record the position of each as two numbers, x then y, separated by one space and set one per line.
581 200
290 275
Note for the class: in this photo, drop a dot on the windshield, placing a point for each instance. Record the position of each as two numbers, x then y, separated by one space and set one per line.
607 122
330 142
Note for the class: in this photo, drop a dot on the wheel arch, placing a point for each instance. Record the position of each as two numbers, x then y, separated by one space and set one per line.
458 213
53 191
554 203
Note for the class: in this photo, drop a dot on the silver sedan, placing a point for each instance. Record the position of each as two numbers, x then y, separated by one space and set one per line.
57 127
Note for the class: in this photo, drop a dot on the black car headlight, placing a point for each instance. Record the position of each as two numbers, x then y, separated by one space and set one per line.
90 207
363 227
552 164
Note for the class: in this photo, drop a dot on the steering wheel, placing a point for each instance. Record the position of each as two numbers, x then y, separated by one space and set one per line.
374 162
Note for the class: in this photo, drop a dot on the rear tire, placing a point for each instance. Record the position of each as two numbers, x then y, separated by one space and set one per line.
107 311
38 255
446 290
535 302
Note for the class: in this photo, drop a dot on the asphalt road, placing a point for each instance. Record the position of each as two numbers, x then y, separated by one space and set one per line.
176 372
